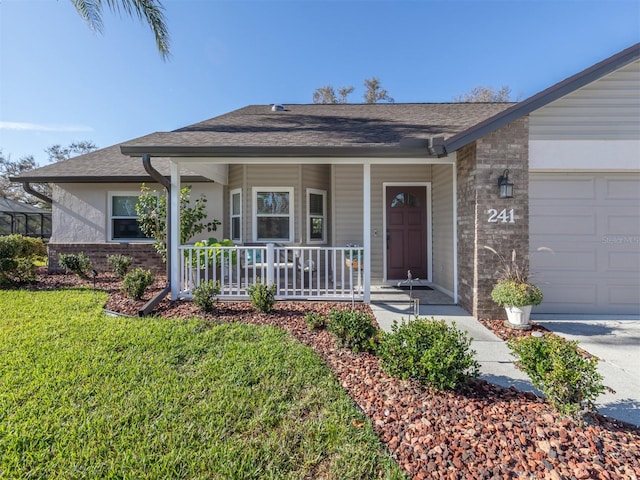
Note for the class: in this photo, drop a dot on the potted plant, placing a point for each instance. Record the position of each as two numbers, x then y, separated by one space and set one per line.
353 258
515 292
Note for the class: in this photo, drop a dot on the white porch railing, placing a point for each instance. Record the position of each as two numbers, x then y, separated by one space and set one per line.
326 273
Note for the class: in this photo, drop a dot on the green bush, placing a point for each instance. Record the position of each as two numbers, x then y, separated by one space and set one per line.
315 321
354 329
213 256
262 297
205 295
568 378
429 351
119 264
19 246
14 271
78 264
136 282
17 256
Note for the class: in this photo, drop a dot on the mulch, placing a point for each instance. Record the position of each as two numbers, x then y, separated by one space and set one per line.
480 432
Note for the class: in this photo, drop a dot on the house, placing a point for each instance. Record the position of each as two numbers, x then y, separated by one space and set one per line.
327 200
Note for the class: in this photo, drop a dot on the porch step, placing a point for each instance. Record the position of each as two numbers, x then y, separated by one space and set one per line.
394 295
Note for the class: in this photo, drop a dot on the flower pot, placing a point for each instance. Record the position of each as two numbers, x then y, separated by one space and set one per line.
518 317
353 263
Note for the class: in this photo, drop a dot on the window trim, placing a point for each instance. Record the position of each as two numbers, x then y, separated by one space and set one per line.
110 217
235 191
323 193
254 217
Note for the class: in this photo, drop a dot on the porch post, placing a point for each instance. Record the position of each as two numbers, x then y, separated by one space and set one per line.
366 227
455 233
175 230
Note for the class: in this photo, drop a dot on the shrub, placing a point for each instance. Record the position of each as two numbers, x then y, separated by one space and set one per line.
136 282
354 329
14 271
213 256
205 295
262 297
78 264
429 351
17 254
119 264
315 321
569 379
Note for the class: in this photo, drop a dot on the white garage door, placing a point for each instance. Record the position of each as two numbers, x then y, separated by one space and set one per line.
592 224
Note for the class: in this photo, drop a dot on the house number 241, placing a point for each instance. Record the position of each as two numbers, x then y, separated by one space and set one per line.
503 216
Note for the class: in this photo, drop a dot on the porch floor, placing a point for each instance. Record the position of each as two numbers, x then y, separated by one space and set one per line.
392 294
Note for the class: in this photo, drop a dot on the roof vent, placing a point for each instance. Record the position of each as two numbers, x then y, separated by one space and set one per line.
278 108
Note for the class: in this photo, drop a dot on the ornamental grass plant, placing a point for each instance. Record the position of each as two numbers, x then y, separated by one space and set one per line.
514 288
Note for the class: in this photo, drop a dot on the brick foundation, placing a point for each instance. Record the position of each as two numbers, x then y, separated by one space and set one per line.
478 167
143 254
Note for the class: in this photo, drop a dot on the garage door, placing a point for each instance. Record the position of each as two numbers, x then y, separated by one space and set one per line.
591 222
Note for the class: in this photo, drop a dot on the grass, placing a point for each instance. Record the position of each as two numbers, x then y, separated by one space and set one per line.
83 395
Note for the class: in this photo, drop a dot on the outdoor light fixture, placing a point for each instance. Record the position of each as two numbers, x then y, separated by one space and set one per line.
504 185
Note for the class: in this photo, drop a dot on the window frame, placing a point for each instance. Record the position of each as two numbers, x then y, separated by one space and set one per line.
111 217
255 215
235 191
323 194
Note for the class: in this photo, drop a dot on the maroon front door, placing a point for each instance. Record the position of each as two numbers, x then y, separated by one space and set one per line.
406 232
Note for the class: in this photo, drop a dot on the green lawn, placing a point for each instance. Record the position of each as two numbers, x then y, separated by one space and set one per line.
83 395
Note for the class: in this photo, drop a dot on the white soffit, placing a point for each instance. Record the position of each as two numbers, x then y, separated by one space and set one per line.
218 172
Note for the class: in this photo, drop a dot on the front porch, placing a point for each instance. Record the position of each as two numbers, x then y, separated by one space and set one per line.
298 272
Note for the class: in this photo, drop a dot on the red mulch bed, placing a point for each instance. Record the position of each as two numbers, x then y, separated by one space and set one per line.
485 431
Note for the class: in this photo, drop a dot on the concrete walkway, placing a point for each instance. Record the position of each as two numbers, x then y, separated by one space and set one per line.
616 342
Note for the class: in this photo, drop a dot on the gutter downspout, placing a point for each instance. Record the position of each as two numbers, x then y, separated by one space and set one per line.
29 189
157 176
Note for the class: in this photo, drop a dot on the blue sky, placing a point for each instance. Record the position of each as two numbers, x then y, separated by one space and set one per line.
60 82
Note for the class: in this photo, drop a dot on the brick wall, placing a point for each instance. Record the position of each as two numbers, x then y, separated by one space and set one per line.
143 254
478 168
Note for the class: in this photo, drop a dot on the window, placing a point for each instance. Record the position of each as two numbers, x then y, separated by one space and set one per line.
405 200
123 219
316 216
273 219
236 214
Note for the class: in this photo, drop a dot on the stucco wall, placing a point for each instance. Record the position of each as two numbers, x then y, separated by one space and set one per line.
79 211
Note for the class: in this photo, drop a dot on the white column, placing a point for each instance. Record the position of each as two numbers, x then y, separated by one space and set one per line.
366 227
455 233
175 229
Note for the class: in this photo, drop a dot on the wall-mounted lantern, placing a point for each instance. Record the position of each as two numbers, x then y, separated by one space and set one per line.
504 185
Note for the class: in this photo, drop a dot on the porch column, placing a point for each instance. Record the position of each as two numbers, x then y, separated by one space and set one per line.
366 227
175 230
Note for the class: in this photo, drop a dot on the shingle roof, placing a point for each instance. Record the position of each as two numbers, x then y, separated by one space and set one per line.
104 165
320 126
256 130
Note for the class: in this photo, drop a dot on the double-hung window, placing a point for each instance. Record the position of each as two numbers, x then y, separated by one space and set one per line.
273 214
316 216
236 214
123 218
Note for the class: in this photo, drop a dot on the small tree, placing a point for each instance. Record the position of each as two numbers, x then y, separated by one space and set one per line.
327 94
374 92
485 94
152 217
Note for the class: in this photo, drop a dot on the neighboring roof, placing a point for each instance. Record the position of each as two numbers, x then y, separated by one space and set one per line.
545 97
390 129
8 205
